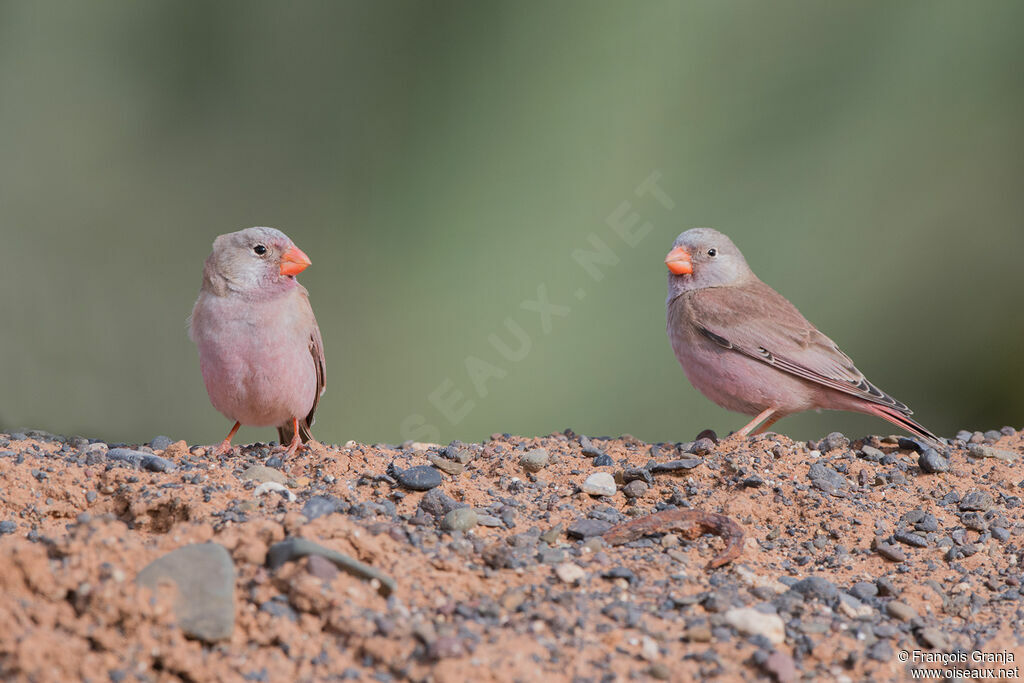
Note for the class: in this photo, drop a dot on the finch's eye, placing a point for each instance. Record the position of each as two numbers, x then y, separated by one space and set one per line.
260 250
712 252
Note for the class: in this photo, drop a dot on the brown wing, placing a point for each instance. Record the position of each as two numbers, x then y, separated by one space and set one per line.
757 321
316 350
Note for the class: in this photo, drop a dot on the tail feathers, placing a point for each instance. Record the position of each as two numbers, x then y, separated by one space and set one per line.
903 422
285 432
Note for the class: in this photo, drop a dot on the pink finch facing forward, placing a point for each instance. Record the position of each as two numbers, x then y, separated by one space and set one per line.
260 349
748 349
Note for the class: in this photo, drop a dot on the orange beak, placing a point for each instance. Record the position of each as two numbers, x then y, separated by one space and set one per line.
294 261
678 262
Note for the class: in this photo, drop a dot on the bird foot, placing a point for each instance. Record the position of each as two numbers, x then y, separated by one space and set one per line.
225 448
293 447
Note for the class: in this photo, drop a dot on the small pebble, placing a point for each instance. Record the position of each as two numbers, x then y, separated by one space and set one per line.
535 460
750 621
460 519
936 639
159 443
447 466
599 484
931 462
702 446
981 451
262 474
976 501
675 465
589 449
570 572
901 610
890 552
909 538
864 590
418 478
587 528
635 489
816 587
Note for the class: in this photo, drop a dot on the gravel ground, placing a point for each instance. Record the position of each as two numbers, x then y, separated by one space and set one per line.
505 561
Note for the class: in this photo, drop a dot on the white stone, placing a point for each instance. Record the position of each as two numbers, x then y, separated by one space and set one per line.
570 572
599 484
749 621
272 486
649 649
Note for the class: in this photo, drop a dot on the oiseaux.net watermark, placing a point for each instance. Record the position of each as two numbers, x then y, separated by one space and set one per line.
976 665
455 396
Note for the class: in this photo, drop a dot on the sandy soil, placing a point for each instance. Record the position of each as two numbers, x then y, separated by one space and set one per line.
905 560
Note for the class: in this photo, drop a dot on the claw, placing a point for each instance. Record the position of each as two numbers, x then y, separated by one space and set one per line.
296 442
225 447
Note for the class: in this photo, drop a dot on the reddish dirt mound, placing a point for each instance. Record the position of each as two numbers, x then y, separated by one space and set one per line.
852 555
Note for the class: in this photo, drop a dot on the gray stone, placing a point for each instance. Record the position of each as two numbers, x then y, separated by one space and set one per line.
204 577
910 538
702 446
292 549
447 466
8 527
489 520
901 610
834 441
826 478
979 501
637 474
141 460
437 503
460 519
931 462
936 639
890 552
588 448
318 506
261 474
816 587
160 442
928 523
599 484
872 453
635 489
586 528
881 651
535 460
886 586
974 520
863 590
418 478
603 460
279 608
909 444
675 465
977 450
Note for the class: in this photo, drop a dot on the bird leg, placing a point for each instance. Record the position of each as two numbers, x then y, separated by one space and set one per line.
296 443
765 414
225 446
767 423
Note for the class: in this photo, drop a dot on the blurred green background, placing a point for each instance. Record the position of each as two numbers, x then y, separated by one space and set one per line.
441 161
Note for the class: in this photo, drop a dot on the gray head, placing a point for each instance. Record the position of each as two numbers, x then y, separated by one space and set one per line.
702 257
253 261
